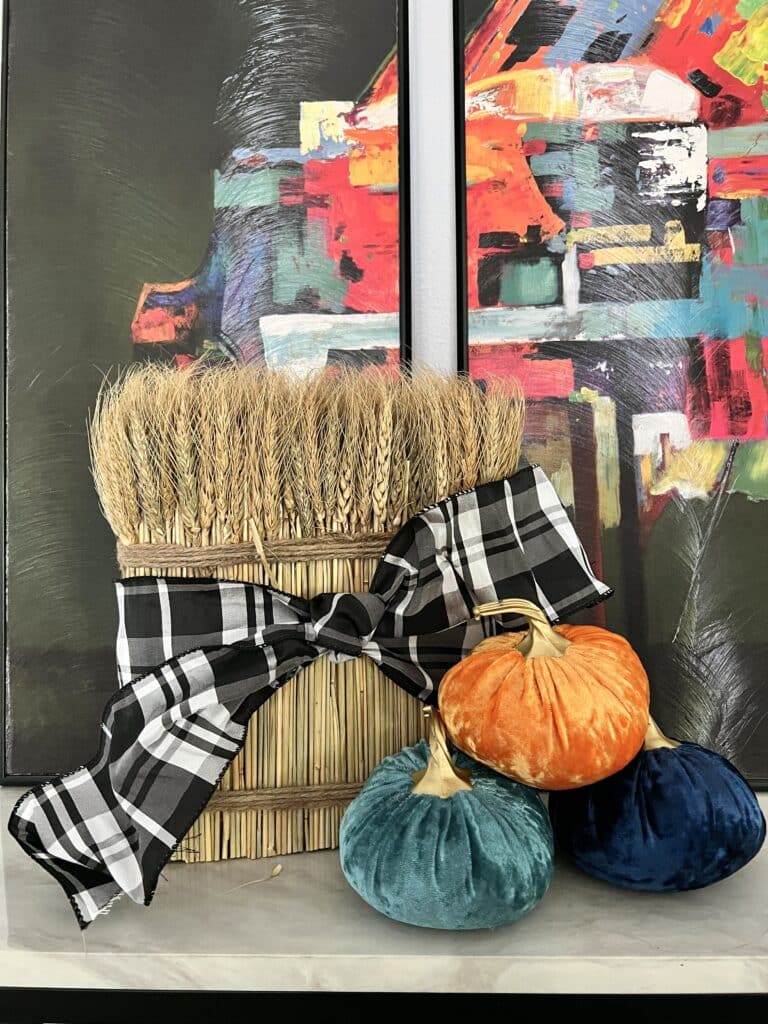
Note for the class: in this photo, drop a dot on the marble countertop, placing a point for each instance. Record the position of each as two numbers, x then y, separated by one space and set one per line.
306 930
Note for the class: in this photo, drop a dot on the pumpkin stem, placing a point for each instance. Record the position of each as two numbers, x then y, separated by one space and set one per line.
541 641
441 777
655 738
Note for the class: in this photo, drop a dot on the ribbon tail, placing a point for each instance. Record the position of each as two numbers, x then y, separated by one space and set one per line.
109 828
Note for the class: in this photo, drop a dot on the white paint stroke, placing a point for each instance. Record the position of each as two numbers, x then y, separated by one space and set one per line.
648 427
608 92
673 163
378 115
593 92
571 281
321 122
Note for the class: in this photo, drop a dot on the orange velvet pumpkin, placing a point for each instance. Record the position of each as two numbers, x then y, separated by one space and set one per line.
552 708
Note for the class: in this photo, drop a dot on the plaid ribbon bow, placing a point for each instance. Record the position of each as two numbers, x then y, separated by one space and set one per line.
196 658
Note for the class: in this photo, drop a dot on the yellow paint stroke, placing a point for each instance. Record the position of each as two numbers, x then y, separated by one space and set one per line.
674 250
376 168
607 454
692 472
745 55
617 233
562 481
673 12
373 161
321 122
530 92
646 478
554 456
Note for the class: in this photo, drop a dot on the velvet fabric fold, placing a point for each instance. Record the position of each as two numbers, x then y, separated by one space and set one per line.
672 820
478 859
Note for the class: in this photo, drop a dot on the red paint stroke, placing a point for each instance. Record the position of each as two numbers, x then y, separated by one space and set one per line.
386 85
733 400
503 195
738 177
163 325
683 49
720 246
291 191
536 147
650 512
361 224
539 378
481 56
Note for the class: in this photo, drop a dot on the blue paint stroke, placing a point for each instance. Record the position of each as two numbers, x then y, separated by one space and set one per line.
627 17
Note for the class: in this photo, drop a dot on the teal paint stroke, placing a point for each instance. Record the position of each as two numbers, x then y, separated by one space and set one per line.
302 340
744 140
751 236
255 189
727 294
725 309
557 164
602 321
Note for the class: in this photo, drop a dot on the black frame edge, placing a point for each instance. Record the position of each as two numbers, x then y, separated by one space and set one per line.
404 183
462 304
113 1006
5 779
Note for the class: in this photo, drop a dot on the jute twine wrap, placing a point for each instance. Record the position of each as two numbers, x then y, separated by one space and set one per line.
249 474
286 798
289 551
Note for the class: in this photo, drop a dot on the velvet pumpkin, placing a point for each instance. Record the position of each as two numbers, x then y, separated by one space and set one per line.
450 846
677 817
552 708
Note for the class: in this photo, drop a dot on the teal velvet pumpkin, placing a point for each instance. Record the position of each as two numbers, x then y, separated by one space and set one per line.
478 859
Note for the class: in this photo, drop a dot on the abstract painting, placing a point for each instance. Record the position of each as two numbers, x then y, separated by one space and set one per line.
246 155
303 262
616 256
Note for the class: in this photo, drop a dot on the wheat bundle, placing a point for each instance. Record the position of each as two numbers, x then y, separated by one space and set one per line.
297 483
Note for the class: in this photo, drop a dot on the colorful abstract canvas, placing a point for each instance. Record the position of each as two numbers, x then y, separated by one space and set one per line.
617 264
304 259
246 154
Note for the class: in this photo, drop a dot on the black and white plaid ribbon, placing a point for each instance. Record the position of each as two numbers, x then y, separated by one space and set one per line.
196 658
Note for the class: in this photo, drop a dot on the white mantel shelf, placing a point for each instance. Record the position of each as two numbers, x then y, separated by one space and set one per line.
306 930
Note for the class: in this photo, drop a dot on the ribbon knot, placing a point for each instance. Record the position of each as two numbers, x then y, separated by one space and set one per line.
345 623
197 657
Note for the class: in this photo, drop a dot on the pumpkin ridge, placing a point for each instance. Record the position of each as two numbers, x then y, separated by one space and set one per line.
630 709
605 684
505 822
557 714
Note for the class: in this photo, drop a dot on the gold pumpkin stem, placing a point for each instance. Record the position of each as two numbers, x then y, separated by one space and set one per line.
656 740
541 641
441 777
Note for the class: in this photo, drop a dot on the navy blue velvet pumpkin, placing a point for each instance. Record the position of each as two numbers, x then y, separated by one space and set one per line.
477 859
677 817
